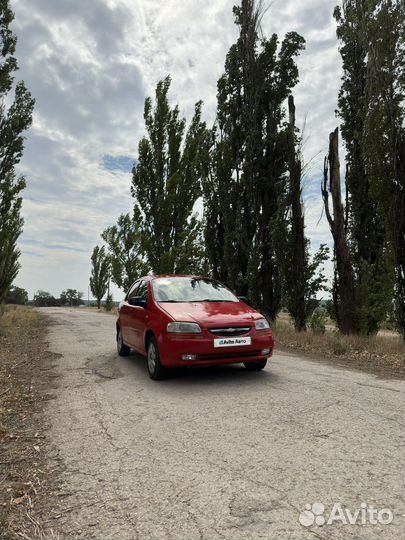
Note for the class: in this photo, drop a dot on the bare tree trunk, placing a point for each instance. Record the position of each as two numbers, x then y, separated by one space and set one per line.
345 295
298 310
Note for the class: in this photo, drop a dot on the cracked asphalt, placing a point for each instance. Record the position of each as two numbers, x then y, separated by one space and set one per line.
215 453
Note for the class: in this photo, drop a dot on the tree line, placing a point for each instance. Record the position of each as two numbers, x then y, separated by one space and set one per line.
69 297
248 170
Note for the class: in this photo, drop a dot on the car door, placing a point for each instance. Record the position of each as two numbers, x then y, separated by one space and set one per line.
125 315
139 318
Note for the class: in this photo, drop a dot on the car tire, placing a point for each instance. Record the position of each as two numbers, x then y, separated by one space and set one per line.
123 350
256 366
156 371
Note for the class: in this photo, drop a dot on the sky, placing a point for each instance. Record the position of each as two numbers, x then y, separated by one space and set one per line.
90 64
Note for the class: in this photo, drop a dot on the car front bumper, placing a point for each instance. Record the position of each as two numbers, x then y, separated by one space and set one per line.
173 347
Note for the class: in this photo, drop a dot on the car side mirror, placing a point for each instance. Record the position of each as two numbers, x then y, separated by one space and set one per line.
137 301
244 299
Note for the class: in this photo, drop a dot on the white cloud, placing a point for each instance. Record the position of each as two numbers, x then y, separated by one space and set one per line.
91 64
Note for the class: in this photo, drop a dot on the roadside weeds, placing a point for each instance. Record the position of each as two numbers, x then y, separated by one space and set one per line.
382 355
25 380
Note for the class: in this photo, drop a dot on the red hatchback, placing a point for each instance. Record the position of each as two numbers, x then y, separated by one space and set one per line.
190 321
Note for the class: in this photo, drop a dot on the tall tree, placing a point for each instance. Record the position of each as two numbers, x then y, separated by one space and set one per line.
248 184
343 286
303 276
14 120
166 185
397 213
100 273
296 274
366 224
384 133
124 244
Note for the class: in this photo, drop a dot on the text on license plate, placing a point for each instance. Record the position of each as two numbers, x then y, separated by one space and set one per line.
232 342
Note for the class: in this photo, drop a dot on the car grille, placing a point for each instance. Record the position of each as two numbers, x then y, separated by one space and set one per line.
229 354
230 331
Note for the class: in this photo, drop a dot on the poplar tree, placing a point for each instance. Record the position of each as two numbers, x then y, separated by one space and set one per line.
344 298
124 246
366 221
246 190
303 274
14 120
384 133
100 273
166 185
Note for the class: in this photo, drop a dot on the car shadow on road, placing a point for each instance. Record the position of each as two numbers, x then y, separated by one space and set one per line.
222 374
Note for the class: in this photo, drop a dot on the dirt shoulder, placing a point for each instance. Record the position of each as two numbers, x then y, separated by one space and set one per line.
25 381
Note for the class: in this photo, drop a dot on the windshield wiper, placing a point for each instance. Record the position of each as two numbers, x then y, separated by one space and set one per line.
211 300
169 301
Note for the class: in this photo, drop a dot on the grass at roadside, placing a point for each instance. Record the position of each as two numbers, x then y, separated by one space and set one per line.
22 466
382 354
94 309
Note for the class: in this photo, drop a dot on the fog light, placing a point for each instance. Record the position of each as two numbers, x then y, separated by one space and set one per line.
188 357
266 352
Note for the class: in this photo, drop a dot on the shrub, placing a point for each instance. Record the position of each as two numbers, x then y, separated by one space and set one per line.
317 322
339 348
109 302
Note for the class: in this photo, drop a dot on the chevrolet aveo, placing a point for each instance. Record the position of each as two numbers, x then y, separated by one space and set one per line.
178 321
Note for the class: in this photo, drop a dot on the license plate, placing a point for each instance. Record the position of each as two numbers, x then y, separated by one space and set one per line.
232 342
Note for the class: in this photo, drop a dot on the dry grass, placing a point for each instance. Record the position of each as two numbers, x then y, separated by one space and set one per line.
113 311
384 352
22 444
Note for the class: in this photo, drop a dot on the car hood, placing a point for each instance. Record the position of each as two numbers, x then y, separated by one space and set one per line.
212 313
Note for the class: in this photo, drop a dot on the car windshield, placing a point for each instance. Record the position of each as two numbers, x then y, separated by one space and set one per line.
187 289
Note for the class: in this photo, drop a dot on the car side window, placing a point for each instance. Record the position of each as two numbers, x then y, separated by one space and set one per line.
132 290
143 291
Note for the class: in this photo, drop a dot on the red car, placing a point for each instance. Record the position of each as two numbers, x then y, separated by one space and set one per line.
181 321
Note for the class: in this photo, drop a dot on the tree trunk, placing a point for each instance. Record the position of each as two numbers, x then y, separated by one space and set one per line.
345 295
297 224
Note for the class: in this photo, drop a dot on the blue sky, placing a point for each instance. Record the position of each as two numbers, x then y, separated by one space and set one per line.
90 66
118 163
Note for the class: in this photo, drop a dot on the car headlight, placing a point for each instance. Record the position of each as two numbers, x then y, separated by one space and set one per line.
183 328
262 324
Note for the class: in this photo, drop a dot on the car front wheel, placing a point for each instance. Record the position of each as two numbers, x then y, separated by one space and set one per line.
123 350
256 366
156 370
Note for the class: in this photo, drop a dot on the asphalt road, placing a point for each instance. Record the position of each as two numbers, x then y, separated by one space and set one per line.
219 452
